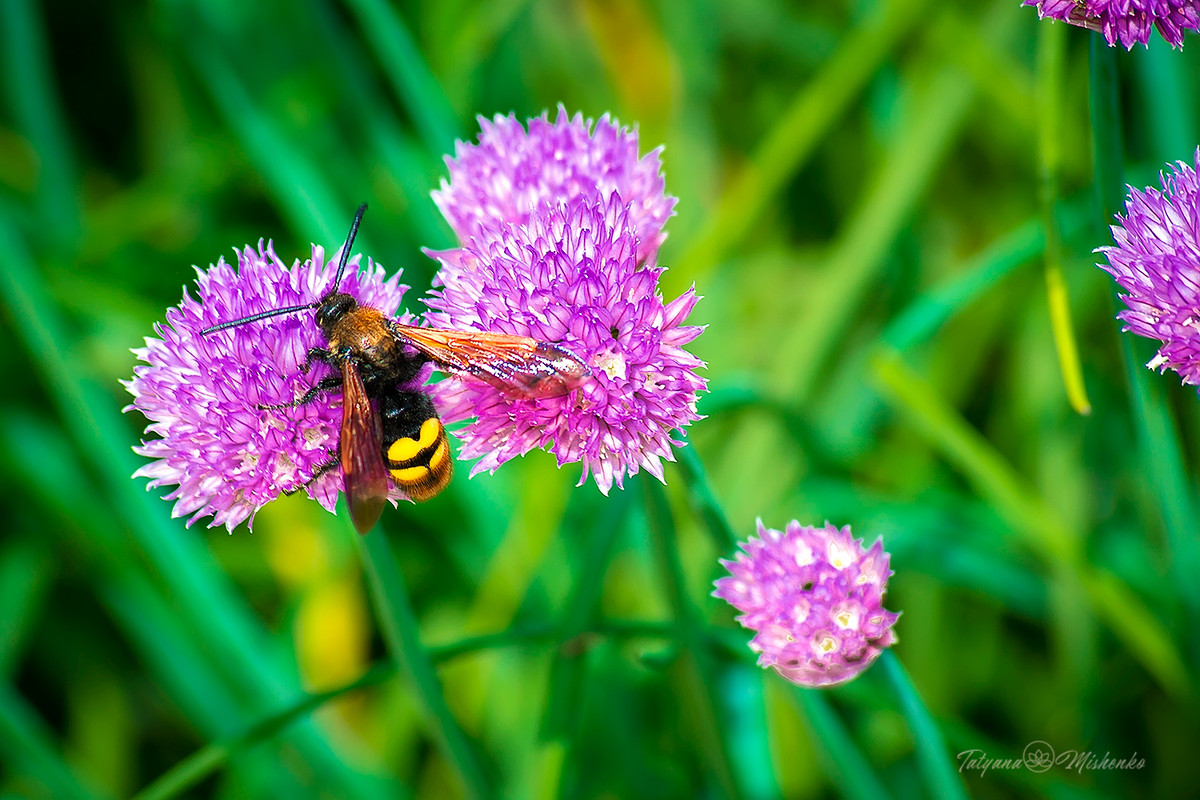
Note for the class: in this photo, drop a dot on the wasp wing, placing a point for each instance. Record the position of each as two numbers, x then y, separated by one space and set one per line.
361 452
518 366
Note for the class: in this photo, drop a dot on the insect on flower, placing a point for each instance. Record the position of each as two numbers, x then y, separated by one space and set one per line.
392 431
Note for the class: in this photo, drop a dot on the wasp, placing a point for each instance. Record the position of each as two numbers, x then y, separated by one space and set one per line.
390 430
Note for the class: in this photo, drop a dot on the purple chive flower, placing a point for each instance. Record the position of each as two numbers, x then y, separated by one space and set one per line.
226 457
570 274
503 178
1126 21
814 596
1156 262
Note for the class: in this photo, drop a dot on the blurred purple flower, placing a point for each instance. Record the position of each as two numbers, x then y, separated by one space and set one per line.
503 178
814 596
1126 21
226 456
570 274
1156 262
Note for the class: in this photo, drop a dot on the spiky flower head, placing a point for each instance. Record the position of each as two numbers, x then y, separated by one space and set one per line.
512 170
226 456
814 596
1126 21
1156 262
570 274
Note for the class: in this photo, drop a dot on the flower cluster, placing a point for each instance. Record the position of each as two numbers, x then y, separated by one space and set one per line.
1156 262
559 226
814 596
227 456
1126 21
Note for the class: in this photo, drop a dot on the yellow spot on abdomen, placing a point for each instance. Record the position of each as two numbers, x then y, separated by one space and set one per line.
410 475
404 449
439 456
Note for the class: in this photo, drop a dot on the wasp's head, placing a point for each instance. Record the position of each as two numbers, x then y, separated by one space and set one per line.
333 309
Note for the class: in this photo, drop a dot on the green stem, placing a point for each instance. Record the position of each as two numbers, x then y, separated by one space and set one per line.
941 775
845 765
699 673
205 761
568 670
399 627
704 499
1104 103
208 759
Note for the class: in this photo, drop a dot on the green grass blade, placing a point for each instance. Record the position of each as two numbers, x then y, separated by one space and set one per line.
929 312
299 188
568 671
864 243
1052 45
1043 530
1005 81
26 571
704 499
154 630
699 672
399 155
967 449
208 759
202 593
805 123
399 627
1162 451
846 765
29 82
27 748
410 76
942 778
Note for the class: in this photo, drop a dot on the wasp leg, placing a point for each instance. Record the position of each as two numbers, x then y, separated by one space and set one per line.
316 354
331 464
323 385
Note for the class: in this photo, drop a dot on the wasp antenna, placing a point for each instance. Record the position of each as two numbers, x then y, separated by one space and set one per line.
275 312
358 215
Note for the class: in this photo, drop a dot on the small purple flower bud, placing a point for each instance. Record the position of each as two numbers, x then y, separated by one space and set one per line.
814 597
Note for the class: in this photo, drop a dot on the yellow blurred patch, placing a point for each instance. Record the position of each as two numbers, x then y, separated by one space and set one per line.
332 633
636 55
296 550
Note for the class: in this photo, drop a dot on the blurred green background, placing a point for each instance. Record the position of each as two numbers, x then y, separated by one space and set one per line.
881 203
